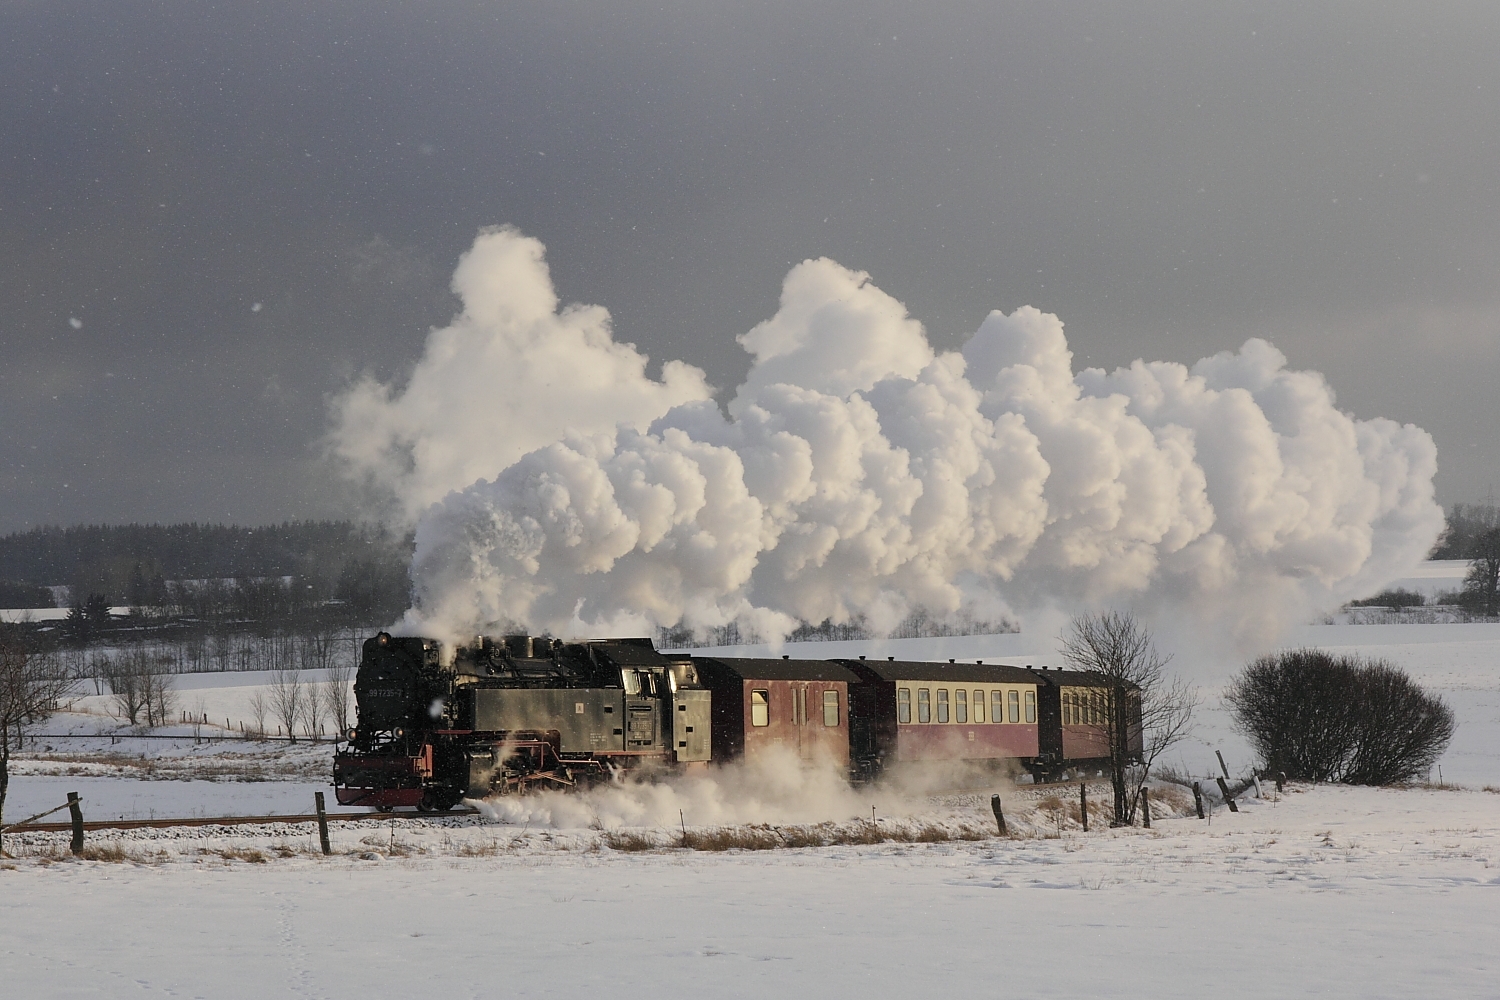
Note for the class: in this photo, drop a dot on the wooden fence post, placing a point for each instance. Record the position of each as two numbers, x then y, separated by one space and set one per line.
1228 799
1083 805
1281 781
76 811
1222 766
322 824
999 815
1145 808
1198 798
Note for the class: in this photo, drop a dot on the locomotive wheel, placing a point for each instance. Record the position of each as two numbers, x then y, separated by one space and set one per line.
440 799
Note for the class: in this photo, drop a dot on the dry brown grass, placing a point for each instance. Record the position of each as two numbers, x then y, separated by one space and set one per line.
113 853
1170 801
733 838
805 836
859 833
630 843
482 849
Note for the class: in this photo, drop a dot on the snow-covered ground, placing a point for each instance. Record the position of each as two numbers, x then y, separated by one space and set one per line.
1322 891
1325 891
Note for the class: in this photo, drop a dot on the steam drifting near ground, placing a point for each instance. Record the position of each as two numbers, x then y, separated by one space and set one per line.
859 472
772 787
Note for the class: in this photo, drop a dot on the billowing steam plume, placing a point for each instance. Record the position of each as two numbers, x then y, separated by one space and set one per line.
858 472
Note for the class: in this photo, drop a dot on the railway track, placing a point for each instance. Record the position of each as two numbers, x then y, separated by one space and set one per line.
168 823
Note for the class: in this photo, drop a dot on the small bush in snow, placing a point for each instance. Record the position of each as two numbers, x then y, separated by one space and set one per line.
1319 717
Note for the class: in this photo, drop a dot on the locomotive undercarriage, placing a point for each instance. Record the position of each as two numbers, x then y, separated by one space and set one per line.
455 766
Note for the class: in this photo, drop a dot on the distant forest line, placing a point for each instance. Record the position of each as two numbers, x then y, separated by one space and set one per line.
207 569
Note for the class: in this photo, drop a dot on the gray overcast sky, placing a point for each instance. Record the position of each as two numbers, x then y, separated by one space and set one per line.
1170 178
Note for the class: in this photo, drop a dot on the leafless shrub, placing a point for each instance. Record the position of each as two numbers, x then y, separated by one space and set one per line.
1319 717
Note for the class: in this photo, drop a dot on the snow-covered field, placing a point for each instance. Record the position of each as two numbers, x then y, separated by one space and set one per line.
1322 891
1325 891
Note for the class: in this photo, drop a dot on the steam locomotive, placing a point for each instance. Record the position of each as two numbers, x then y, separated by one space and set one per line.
511 714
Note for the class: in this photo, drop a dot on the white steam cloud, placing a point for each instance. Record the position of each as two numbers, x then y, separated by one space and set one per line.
858 472
510 374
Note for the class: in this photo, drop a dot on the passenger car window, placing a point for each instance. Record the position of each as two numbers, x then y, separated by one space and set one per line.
830 708
903 705
960 706
997 706
1030 706
760 708
1015 706
978 705
924 705
942 704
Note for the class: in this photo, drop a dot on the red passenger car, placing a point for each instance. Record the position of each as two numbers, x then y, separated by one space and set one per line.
799 705
908 711
1074 711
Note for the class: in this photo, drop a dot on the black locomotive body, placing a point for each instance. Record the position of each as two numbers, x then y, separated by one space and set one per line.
503 716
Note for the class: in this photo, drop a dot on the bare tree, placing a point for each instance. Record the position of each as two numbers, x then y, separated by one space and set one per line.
161 691
31 684
125 686
140 683
312 708
259 710
287 699
1138 711
336 694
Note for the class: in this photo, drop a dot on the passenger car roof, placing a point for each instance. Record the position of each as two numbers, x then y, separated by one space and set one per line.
766 668
923 670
